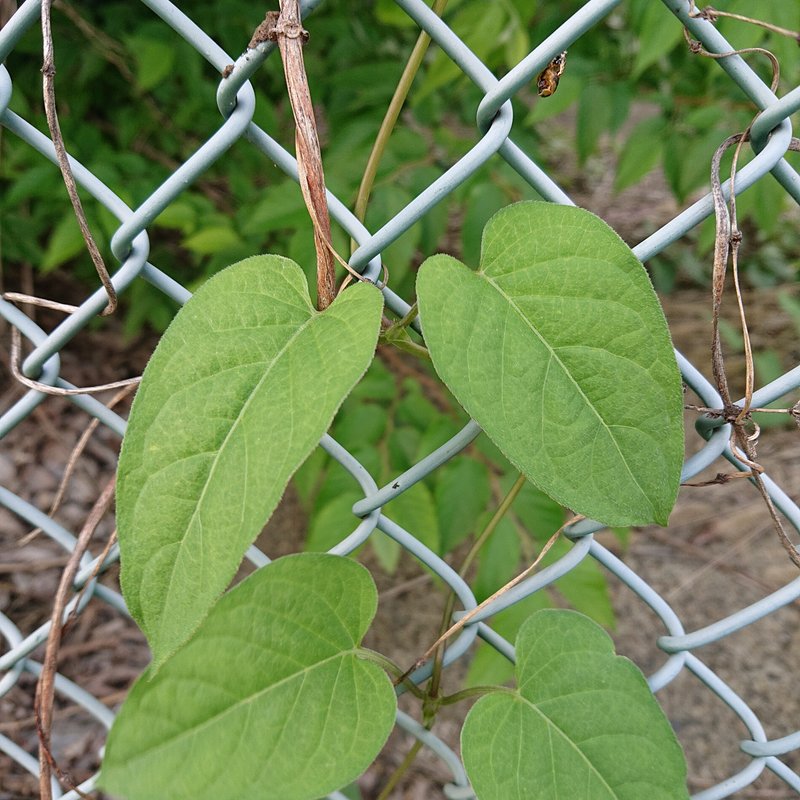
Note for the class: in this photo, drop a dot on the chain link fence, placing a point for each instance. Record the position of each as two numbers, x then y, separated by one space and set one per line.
771 135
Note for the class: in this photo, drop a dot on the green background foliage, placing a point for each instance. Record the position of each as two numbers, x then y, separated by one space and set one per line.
135 101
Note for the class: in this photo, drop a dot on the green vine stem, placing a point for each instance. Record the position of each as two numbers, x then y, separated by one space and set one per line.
390 119
397 335
399 338
387 664
401 770
477 545
473 691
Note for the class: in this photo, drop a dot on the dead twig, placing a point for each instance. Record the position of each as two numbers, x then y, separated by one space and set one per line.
19 297
726 233
286 29
45 687
457 626
48 73
793 411
95 572
720 478
16 346
712 14
697 47
728 238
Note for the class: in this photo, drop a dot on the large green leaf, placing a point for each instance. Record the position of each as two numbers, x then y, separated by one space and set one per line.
582 724
271 698
559 349
658 35
238 392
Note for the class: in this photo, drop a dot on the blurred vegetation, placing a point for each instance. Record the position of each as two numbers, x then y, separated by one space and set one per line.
135 101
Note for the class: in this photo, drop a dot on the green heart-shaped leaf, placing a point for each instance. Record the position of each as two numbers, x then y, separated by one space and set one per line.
242 386
582 724
271 698
559 350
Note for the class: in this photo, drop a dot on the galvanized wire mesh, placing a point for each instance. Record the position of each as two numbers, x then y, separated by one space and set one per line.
771 135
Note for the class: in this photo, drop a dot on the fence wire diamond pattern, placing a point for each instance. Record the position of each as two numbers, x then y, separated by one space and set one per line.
771 134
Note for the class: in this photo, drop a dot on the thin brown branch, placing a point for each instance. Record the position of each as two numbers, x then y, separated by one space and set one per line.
95 572
726 243
735 241
45 687
728 237
719 479
720 412
712 15
721 252
457 626
40 302
697 47
48 74
783 537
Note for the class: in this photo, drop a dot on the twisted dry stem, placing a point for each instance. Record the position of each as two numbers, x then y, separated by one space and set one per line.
45 688
48 75
728 237
726 243
287 30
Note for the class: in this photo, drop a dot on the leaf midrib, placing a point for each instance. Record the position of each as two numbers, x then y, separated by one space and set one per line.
554 355
303 674
551 725
216 460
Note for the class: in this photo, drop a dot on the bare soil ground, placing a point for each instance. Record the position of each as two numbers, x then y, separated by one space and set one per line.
718 555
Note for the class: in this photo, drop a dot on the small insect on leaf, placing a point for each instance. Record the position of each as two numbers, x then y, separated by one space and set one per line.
548 79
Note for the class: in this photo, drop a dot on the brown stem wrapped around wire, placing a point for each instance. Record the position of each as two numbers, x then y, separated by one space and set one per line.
287 30
728 238
45 688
